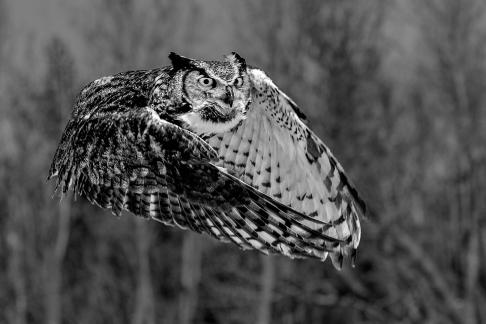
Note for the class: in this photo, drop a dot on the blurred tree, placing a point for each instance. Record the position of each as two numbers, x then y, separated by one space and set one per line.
190 277
454 73
3 33
57 97
37 245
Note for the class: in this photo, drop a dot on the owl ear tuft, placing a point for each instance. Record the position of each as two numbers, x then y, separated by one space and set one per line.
179 61
236 59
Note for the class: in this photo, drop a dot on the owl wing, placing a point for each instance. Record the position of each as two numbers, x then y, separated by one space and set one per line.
118 153
276 153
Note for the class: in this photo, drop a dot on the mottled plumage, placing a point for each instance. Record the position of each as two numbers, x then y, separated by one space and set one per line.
215 147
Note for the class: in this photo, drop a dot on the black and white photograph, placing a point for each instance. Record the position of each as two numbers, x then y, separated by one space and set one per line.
227 162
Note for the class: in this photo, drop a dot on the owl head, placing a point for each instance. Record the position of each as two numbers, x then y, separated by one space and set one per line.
216 94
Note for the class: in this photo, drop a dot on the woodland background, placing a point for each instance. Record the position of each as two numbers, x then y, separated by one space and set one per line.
397 89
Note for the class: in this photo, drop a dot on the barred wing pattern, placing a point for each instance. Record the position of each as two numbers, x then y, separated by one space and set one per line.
276 153
118 153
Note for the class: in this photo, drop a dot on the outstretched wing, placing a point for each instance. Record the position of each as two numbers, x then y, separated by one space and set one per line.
276 153
118 153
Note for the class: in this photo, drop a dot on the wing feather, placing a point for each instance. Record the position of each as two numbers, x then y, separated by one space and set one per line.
287 161
250 172
118 153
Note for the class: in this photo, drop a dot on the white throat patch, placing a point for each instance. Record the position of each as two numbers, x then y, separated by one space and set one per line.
200 126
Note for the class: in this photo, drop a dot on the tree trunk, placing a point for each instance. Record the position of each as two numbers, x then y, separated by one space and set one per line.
267 285
190 277
53 266
144 308
15 260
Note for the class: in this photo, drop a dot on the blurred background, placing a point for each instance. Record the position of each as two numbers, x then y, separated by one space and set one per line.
397 89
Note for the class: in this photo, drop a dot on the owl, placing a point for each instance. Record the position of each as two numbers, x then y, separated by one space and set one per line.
215 147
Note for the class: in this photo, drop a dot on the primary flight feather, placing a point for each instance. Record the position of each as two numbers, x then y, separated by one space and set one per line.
215 147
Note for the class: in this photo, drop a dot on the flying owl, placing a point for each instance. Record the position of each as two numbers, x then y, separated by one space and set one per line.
215 147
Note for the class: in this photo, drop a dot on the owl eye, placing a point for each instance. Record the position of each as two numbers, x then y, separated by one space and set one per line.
238 82
206 82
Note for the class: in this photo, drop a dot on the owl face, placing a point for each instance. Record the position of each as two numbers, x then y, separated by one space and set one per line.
218 93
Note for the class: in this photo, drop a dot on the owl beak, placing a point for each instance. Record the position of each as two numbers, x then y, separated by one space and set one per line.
229 96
